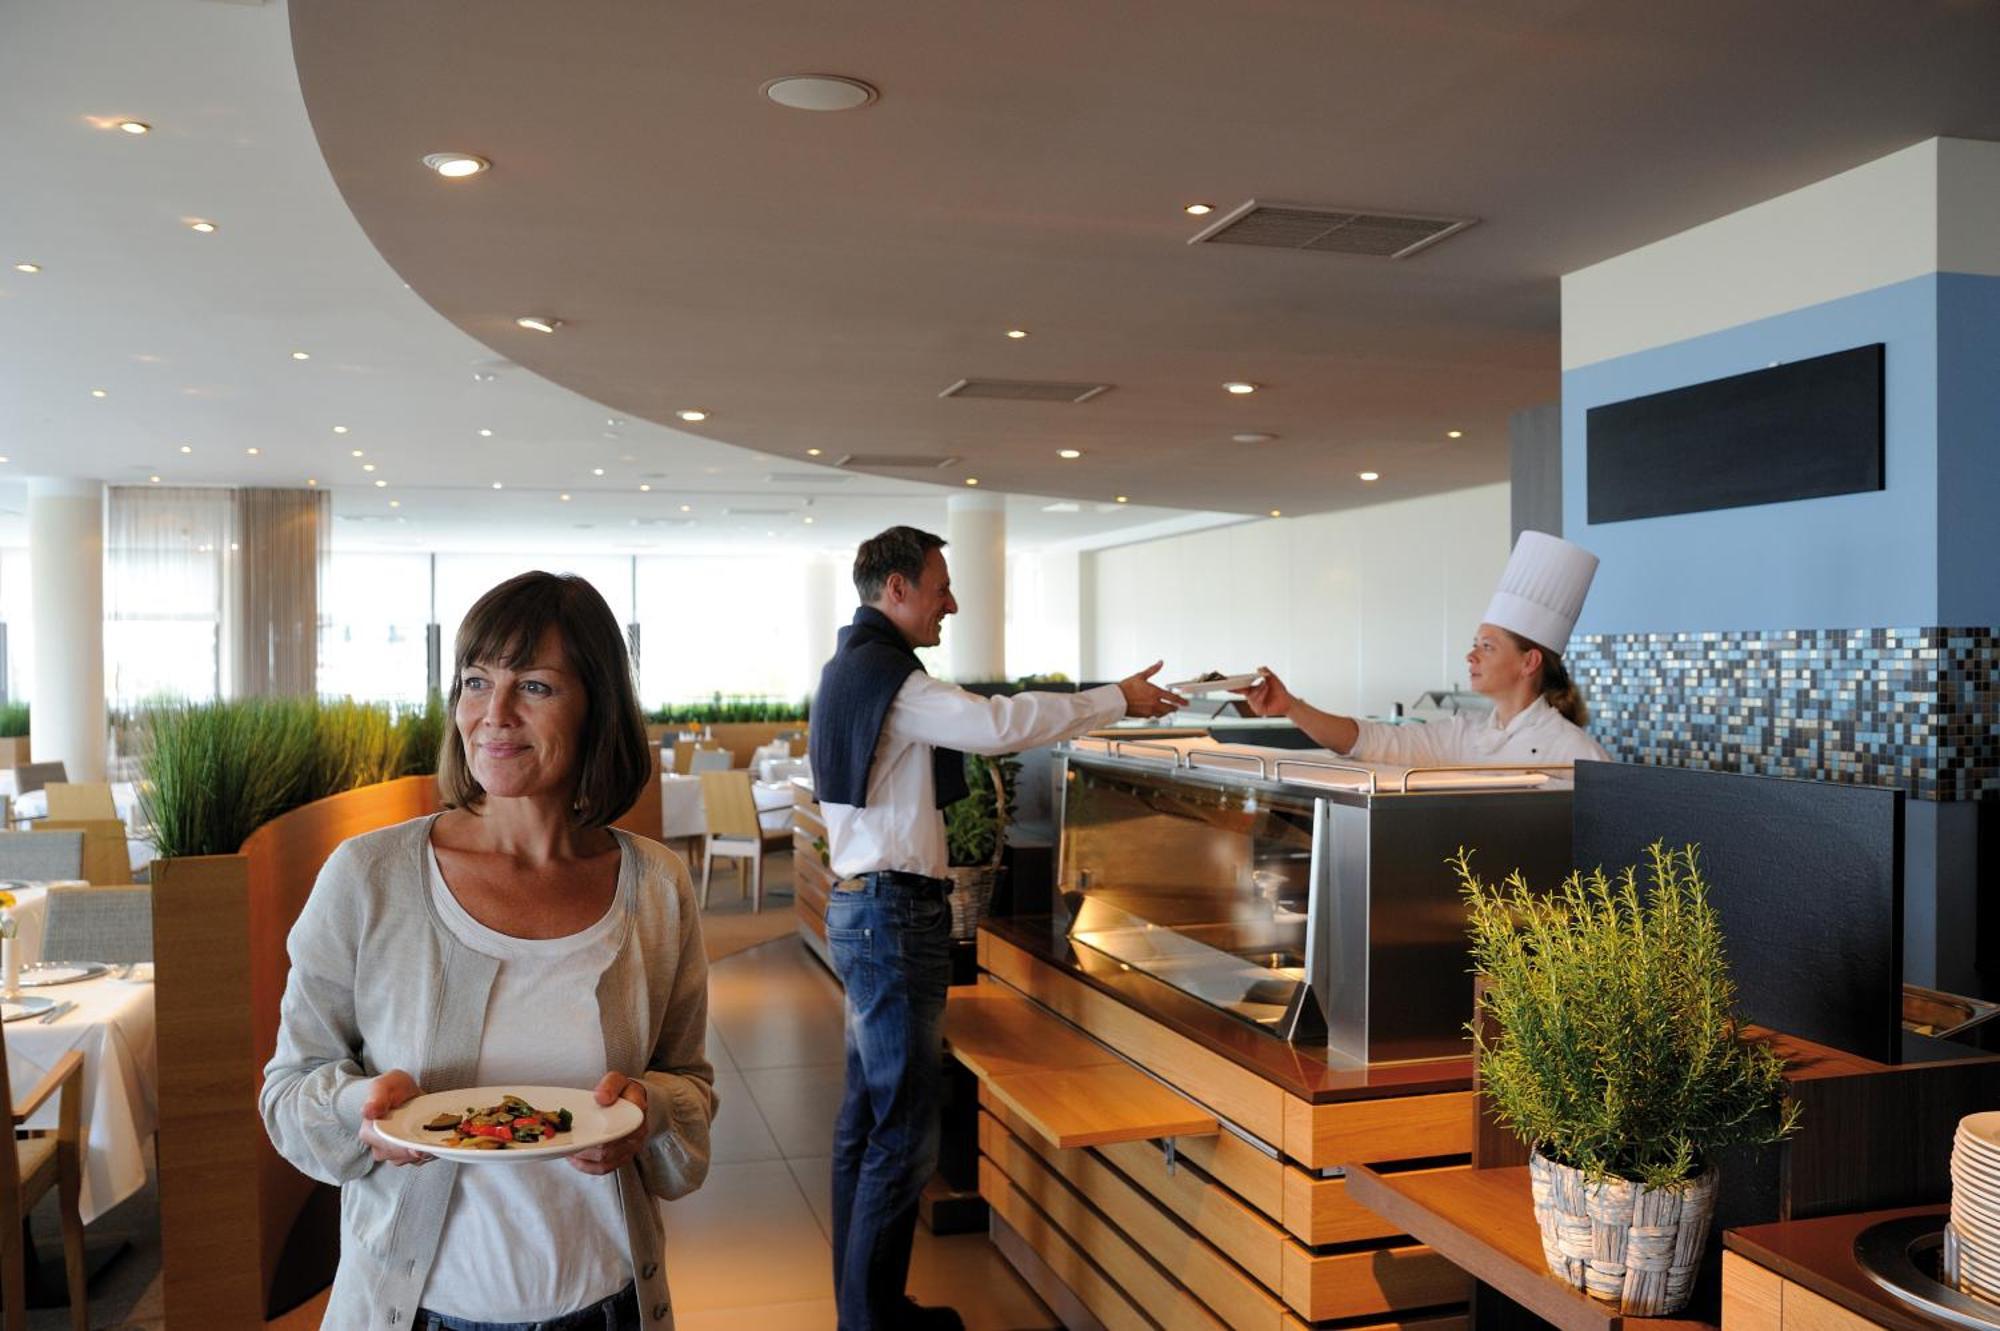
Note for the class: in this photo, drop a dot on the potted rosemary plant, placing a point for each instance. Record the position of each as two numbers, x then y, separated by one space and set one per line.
1611 1046
975 831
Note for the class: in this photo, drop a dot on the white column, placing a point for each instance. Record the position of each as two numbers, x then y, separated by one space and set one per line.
825 576
976 528
66 561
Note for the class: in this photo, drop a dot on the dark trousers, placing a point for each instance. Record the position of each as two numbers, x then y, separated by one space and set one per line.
620 1312
890 940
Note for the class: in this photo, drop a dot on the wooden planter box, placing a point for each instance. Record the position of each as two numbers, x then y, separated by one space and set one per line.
14 750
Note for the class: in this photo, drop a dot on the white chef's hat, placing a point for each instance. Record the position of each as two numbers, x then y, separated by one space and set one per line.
1542 591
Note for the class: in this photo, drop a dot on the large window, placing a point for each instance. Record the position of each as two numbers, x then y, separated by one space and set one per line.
17 614
371 641
731 625
169 555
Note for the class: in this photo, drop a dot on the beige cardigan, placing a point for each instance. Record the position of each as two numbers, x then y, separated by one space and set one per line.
378 982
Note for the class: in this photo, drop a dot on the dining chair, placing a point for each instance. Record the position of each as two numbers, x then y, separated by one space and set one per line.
710 760
41 856
734 830
77 801
105 858
30 777
109 924
39 1161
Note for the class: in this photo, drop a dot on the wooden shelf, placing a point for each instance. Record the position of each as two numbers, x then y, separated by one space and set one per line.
1483 1220
1070 1090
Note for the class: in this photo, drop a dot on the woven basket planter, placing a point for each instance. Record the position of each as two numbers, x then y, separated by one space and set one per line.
971 890
1621 1242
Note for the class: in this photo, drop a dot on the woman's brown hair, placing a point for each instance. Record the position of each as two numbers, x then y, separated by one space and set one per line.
1558 689
503 628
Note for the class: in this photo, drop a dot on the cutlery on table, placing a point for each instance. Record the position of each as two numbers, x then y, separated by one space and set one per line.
56 1013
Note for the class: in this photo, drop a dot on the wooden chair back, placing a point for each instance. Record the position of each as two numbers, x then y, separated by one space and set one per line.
41 856
78 801
727 804
684 754
105 860
27 778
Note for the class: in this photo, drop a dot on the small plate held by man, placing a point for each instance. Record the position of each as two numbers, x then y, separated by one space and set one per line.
1215 682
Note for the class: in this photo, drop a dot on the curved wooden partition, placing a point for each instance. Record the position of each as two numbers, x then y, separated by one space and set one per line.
220 923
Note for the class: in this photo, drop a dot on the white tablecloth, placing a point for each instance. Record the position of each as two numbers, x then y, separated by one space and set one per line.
113 1027
680 805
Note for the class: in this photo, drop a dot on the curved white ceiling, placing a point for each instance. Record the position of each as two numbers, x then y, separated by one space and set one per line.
815 280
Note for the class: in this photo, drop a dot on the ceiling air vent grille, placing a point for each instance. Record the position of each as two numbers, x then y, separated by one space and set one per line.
733 512
892 461
1292 226
1025 390
806 478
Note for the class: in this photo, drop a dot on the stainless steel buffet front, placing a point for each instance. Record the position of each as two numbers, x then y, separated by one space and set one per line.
1305 895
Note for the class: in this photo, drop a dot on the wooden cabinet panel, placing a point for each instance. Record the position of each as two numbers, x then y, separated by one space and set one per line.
1752 1296
1114 1224
1374 1280
1362 1132
1105 1300
1205 1206
1232 1092
1804 1310
1320 1211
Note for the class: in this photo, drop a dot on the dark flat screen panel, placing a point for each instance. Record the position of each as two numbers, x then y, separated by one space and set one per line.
1797 431
1806 878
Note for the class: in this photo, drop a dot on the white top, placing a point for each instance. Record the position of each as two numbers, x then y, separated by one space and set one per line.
901 826
525 1243
1539 734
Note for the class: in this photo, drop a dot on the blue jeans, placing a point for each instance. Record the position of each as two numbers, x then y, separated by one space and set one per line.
620 1312
891 946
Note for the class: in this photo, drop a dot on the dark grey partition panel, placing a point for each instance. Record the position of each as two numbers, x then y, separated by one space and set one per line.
1806 877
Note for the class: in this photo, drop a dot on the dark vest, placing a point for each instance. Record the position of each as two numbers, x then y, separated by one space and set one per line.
871 660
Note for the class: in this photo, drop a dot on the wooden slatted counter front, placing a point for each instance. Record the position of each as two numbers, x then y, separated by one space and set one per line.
1153 1164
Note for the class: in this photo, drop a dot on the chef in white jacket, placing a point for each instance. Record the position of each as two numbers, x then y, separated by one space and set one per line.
1516 660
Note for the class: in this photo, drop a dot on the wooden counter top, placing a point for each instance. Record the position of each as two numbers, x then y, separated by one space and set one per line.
1819 1254
1299 1070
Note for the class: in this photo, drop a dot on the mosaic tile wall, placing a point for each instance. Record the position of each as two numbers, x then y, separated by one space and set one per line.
1917 708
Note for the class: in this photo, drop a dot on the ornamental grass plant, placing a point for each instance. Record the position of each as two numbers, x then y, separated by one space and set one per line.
733 709
215 772
13 720
1614 1046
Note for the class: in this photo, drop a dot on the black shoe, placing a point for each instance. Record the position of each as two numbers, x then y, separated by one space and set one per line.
916 1317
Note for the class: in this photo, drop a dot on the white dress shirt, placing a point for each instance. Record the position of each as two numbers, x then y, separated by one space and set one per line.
1538 734
901 826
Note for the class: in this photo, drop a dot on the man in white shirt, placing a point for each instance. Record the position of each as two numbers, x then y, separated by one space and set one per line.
887 755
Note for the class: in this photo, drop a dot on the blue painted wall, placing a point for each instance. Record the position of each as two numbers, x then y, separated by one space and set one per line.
1968 449
1842 561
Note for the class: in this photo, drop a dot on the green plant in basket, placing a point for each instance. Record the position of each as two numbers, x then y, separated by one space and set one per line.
1616 1049
13 720
973 826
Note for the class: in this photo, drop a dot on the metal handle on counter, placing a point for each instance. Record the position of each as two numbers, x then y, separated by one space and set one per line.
1118 747
1311 765
1510 768
1195 755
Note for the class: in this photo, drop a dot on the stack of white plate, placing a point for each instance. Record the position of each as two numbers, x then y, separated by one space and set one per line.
1975 1205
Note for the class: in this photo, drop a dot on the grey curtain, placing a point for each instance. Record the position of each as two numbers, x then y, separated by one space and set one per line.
283 535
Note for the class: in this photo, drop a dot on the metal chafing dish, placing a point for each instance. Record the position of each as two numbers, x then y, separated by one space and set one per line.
1300 893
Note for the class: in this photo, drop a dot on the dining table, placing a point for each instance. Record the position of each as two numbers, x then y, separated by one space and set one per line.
681 812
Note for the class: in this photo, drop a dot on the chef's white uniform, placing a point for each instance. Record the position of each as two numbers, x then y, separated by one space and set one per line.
1539 734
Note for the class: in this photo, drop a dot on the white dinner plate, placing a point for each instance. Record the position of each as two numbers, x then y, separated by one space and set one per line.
45 973
1982 1130
1223 685
31 1005
591 1124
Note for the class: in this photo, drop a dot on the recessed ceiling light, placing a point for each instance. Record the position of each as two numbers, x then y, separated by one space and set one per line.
340 429
485 434
1122 499
496 485
1017 333
313 481
381 485
1369 475
98 392
692 414
1253 437
187 448
1069 454
3 459
27 268
478 376
687 508
357 453
540 323
135 127
819 92
454 166
1454 434
645 488
1199 209
154 479
367 466
814 452
564 498
301 355
253 452
1239 388
206 228
614 420
395 503
597 471
1276 514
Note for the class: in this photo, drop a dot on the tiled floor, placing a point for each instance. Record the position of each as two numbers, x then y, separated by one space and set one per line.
750 1250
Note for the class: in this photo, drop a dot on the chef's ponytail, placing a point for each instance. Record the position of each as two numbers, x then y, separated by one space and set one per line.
1558 690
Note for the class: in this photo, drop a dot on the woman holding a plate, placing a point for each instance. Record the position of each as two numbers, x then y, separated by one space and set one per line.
513 947
1516 660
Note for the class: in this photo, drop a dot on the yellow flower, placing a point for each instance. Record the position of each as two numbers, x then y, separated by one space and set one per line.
6 901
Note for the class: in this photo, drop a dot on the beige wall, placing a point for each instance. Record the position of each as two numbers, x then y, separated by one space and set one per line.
1357 610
